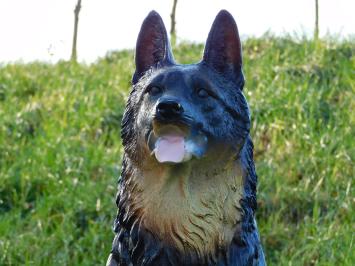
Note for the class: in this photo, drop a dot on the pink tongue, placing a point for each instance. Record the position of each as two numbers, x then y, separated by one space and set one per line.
170 149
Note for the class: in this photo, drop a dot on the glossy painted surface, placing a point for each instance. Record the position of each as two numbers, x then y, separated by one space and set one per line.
198 211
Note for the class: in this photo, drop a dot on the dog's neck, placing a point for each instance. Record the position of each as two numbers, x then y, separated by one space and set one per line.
189 219
188 207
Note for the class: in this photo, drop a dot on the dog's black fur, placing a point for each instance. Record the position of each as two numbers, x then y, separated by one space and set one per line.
224 119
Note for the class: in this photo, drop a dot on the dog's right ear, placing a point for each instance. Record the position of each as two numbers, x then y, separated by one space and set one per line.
153 47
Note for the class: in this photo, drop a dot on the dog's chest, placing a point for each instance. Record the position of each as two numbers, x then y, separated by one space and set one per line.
193 213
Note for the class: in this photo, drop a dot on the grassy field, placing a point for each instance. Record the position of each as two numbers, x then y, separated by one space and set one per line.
60 153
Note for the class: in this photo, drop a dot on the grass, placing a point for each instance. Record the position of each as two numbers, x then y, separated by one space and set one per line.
60 153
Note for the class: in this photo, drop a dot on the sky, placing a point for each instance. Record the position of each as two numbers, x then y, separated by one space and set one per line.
43 29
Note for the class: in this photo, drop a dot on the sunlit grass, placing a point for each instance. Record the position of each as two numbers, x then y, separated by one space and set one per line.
60 153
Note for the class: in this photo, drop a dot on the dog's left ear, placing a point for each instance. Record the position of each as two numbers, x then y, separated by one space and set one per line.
153 47
223 50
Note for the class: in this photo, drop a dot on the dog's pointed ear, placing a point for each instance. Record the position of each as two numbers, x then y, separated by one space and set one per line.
223 50
153 47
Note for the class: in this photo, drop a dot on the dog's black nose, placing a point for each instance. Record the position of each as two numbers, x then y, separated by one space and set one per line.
169 109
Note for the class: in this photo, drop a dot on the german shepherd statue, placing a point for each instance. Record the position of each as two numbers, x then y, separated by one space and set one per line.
187 192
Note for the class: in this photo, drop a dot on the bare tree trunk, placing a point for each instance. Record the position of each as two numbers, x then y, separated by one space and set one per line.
316 28
76 14
173 23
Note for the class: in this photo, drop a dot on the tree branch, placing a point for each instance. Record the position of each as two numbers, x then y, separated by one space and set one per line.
316 28
76 21
173 23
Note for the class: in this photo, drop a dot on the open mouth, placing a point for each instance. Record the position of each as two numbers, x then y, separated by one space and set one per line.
173 144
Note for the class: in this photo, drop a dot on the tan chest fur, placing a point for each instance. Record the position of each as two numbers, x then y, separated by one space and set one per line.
192 210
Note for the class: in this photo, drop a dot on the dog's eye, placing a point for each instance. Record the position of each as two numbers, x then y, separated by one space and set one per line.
154 90
203 93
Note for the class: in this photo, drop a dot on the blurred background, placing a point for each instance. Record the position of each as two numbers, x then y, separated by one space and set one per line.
62 99
42 29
